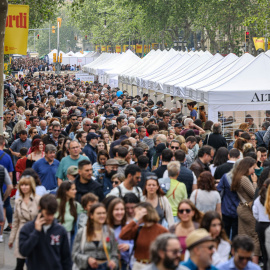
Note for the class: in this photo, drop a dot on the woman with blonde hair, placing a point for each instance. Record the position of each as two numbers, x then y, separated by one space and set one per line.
244 127
144 213
26 209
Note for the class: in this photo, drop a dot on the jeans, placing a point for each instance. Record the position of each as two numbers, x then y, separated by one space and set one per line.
260 229
230 226
102 266
8 208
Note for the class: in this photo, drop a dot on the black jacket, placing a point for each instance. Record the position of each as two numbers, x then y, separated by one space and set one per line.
215 140
45 251
92 186
186 177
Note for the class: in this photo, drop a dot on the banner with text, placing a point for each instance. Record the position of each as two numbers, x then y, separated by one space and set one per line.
16 35
259 43
85 77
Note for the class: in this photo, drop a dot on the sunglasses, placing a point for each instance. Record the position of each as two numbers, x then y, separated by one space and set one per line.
152 177
181 211
115 182
175 147
242 258
35 132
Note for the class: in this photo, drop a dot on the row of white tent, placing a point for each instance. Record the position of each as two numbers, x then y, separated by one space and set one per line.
77 58
227 83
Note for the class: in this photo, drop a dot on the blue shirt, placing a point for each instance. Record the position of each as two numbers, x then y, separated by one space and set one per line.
47 172
229 265
193 113
6 161
192 266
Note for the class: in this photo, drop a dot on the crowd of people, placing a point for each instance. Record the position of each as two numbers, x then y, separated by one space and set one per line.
102 179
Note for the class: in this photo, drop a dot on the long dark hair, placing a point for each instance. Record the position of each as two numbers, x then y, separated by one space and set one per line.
90 222
74 127
110 217
242 170
62 196
263 190
221 156
64 149
206 224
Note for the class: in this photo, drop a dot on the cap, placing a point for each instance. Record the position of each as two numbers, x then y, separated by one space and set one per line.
197 237
112 161
139 121
134 103
72 170
92 135
178 125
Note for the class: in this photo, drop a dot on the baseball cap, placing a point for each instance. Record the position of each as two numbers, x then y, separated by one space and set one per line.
72 170
92 135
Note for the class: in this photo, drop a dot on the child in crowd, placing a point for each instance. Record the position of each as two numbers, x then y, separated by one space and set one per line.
21 163
87 201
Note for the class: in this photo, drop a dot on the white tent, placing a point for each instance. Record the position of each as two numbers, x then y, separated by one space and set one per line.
218 75
247 89
78 58
50 55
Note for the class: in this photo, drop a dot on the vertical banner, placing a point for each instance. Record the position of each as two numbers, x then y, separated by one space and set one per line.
138 48
98 48
103 48
125 48
268 45
17 24
118 48
109 48
259 43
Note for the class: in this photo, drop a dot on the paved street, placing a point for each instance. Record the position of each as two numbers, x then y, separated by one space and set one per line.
7 259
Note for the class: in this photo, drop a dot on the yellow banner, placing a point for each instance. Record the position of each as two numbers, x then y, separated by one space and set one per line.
138 48
259 43
97 48
118 48
17 24
109 49
103 48
146 48
268 45
125 48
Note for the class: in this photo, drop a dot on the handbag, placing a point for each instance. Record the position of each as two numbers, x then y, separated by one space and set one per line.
243 201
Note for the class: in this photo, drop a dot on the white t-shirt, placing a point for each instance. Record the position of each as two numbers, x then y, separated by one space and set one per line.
206 200
124 191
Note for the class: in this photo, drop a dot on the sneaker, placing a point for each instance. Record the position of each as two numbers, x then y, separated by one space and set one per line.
1 239
7 229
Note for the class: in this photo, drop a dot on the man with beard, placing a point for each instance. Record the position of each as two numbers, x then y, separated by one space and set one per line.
111 168
165 253
85 183
201 247
129 185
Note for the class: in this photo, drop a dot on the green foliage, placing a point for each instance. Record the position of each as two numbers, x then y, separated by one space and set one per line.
40 11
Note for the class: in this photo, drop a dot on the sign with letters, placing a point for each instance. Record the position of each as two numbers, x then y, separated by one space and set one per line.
85 77
16 35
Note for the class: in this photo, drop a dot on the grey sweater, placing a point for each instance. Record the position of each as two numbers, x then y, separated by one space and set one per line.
80 257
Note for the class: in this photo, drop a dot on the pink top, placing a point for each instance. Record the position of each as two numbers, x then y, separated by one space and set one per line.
182 240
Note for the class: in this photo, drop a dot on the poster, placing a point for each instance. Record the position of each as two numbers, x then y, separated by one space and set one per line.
17 24
85 77
118 48
259 43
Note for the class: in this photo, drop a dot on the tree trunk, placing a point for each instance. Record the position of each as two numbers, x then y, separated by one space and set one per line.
3 16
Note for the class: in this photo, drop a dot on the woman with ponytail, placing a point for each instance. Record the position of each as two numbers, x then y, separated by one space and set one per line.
95 246
260 209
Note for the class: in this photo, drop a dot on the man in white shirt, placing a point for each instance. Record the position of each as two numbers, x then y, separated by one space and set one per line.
133 176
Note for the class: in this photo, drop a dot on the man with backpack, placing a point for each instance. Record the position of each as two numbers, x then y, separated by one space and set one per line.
129 185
